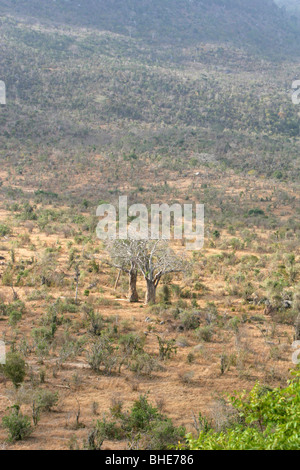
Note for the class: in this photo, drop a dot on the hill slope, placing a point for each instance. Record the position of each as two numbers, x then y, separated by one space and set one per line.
260 24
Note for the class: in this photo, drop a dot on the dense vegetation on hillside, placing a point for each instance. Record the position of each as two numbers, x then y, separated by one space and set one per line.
73 94
259 24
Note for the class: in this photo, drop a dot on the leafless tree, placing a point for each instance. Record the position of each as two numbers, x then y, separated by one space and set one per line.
155 259
123 255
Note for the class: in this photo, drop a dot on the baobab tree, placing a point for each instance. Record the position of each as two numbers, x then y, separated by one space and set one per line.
123 257
155 259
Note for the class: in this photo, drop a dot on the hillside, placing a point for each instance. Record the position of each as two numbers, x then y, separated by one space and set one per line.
259 25
72 94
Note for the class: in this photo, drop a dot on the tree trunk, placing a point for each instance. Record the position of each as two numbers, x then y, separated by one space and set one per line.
151 292
133 295
117 280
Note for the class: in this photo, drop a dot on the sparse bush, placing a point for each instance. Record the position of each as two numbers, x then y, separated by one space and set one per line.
102 355
189 320
46 400
186 377
143 364
167 348
205 334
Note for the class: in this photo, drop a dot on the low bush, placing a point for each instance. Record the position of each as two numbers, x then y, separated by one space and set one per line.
17 425
15 368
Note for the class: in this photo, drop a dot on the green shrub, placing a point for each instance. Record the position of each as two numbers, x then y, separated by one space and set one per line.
109 430
143 364
163 435
132 342
46 400
143 424
15 312
102 355
268 420
189 320
15 368
142 414
205 334
167 348
165 294
17 425
4 230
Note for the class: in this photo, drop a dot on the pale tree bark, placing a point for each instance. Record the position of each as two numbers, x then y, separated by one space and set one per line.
133 294
122 257
151 292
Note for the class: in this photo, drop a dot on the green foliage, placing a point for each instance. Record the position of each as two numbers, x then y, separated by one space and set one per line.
142 415
205 333
143 424
15 311
165 294
167 348
46 400
4 230
17 425
102 355
189 320
132 342
15 368
268 420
